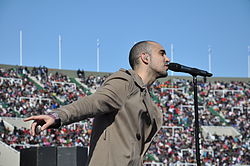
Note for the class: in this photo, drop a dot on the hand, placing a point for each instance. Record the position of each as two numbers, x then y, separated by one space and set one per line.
40 120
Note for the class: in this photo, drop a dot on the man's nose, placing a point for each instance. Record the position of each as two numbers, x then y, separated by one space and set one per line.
167 59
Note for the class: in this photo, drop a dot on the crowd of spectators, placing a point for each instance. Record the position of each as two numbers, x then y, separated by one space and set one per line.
19 96
173 144
58 84
77 134
81 74
178 145
93 82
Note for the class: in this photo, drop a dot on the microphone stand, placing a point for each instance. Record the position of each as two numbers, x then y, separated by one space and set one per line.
196 122
194 72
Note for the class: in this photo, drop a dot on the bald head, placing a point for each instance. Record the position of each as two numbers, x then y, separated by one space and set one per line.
137 50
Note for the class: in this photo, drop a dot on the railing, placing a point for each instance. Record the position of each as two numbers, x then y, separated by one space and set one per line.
173 89
184 164
72 86
35 99
192 151
225 91
12 80
153 164
192 106
173 128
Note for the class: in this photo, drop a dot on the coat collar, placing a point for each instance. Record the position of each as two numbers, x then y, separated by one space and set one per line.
136 77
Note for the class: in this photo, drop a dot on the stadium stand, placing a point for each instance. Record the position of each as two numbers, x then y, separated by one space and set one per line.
224 108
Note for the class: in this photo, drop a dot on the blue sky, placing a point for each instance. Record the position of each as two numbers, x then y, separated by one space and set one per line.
190 25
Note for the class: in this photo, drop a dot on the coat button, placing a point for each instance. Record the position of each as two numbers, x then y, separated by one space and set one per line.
138 136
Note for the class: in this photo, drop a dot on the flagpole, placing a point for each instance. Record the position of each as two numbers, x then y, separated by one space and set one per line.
21 47
248 61
172 60
98 56
172 56
209 59
60 51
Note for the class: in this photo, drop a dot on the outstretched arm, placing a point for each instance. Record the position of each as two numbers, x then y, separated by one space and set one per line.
110 97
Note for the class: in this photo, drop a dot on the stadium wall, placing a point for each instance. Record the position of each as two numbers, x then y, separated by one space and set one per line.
8 155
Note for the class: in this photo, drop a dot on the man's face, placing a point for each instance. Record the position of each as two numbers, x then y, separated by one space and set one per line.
158 61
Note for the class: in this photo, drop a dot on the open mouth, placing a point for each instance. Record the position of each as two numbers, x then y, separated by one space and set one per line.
166 67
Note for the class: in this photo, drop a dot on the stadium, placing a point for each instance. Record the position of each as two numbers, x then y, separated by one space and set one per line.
125 83
224 112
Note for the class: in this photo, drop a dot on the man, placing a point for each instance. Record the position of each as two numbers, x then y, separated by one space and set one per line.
126 119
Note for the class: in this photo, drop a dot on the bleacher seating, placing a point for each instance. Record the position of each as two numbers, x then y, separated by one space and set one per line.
221 103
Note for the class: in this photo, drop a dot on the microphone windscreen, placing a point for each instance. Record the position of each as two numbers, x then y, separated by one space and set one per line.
174 66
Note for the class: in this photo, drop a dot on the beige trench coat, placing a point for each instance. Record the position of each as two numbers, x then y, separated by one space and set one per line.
126 120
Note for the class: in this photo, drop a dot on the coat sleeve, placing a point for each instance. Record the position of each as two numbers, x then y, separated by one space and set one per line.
108 98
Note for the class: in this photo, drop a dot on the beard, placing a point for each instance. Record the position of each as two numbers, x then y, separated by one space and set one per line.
162 74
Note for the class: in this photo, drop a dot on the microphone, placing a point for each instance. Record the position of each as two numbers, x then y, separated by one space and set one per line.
193 71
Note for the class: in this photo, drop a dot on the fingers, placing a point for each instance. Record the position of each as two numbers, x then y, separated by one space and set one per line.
33 118
41 120
33 128
28 119
48 123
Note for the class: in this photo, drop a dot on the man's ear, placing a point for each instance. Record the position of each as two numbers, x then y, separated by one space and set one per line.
145 58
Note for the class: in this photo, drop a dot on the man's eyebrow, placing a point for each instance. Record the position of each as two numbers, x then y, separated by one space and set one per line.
162 52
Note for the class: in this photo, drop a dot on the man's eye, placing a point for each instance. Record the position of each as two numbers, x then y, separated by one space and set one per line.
163 53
